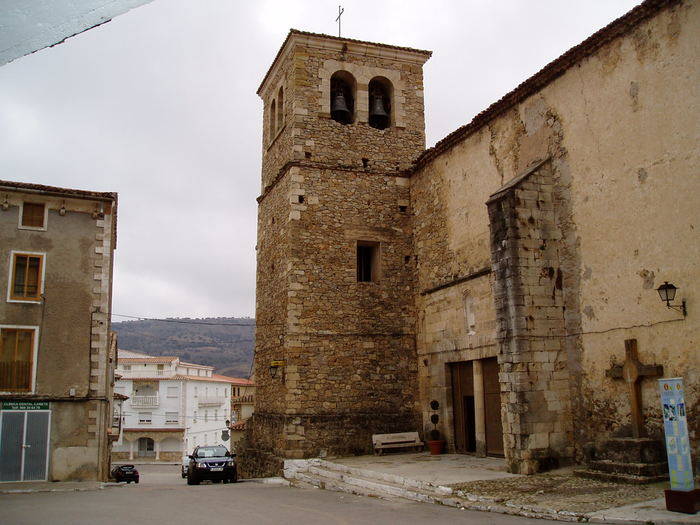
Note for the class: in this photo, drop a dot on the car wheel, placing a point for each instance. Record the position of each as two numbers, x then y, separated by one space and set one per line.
234 478
136 481
191 480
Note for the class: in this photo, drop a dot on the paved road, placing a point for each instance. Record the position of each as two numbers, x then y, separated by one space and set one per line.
164 498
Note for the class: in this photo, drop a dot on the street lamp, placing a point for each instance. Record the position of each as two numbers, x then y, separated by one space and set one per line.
667 292
275 367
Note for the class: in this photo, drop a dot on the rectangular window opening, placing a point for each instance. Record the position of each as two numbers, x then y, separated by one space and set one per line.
16 356
145 418
367 261
33 215
26 277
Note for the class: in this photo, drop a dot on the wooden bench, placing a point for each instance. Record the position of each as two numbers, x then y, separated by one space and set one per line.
399 440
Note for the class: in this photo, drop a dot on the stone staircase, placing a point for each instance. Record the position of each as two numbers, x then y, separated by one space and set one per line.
327 475
627 460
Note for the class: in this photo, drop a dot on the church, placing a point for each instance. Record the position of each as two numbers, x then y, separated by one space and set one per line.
512 273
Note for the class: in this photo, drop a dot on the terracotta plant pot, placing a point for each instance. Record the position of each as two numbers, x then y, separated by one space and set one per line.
436 447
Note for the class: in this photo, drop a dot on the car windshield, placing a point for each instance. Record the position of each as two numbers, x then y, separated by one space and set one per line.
211 452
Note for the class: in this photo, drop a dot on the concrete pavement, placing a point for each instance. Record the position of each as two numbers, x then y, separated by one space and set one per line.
164 497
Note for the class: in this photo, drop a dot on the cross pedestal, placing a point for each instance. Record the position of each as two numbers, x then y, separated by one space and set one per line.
632 371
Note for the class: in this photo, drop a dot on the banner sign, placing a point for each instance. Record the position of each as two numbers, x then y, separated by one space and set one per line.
680 466
24 405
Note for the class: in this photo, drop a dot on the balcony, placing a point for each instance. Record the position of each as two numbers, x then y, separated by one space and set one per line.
145 401
210 400
135 374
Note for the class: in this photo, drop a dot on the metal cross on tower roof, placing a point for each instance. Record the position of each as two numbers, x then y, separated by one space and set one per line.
340 13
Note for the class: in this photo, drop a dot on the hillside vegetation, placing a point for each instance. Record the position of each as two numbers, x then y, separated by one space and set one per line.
225 343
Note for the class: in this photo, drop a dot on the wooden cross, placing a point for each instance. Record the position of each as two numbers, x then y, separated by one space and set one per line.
632 371
340 13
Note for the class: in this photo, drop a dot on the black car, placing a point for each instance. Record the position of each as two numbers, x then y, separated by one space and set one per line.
125 473
214 463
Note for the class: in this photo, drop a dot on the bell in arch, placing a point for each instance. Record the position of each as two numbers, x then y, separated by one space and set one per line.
339 108
378 117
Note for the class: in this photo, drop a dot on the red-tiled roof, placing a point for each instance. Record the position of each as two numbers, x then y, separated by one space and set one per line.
549 73
184 363
234 380
117 395
238 425
339 39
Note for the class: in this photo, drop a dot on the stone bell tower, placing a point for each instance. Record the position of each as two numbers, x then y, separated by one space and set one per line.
335 355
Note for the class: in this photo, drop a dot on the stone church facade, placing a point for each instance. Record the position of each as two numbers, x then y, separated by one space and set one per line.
499 272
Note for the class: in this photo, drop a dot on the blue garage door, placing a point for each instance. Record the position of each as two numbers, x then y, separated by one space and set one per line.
24 440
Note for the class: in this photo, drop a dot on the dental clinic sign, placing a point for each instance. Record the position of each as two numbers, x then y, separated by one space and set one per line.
680 466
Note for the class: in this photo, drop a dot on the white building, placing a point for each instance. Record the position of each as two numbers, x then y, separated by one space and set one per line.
173 406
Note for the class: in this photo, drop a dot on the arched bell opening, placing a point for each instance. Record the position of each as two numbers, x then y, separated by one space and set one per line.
280 108
380 95
343 97
273 119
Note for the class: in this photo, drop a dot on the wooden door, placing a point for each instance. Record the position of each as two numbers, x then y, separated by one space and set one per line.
492 408
463 406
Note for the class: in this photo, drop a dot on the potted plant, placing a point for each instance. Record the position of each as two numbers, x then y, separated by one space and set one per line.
435 443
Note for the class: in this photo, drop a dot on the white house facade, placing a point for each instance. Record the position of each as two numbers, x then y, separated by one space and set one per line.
173 406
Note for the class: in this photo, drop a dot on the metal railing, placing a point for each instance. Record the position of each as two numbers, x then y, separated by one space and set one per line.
129 374
145 401
211 400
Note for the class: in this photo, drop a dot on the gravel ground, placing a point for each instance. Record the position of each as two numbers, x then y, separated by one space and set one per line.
562 492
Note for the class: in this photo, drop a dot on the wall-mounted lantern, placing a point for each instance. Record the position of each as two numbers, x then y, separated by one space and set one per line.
275 368
667 292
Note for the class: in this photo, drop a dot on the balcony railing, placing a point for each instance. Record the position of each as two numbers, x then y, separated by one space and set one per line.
145 401
210 400
128 374
250 398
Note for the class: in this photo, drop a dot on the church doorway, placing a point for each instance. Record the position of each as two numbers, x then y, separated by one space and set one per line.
476 403
463 406
492 408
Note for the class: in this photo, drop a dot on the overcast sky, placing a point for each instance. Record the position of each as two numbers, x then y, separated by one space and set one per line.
160 106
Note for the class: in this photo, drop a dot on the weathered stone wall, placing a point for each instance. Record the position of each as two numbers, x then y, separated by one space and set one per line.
622 142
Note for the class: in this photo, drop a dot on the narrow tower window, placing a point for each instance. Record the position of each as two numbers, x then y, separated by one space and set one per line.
367 261
380 92
342 97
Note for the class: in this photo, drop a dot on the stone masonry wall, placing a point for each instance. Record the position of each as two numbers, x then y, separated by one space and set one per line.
347 347
528 294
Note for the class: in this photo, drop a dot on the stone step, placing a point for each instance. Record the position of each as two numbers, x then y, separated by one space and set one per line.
342 482
617 477
426 486
631 450
634 469
335 476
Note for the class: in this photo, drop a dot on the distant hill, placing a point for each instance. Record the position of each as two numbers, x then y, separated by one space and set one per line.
226 343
